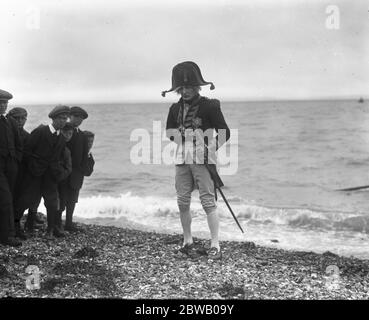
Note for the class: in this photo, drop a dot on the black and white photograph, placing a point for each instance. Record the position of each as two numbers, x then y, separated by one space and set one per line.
203 151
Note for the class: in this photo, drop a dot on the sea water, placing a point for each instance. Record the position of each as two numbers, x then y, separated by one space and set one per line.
292 156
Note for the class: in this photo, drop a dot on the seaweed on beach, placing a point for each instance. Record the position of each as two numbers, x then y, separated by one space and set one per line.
86 252
78 267
3 271
51 283
91 273
4 258
230 291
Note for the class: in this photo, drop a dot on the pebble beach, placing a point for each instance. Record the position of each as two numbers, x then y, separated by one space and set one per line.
123 263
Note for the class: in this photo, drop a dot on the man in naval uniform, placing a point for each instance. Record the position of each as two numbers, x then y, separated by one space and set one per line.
191 123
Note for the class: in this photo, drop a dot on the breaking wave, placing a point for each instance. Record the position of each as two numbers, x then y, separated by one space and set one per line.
143 210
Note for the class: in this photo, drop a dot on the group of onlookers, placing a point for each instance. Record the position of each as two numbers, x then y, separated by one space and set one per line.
50 163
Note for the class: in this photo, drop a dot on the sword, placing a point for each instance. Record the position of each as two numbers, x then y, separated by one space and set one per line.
218 183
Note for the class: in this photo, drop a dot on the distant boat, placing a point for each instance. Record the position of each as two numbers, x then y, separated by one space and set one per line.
361 100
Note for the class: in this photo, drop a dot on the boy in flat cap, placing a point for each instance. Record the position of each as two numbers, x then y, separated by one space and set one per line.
78 147
190 123
44 152
20 116
66 165
10 156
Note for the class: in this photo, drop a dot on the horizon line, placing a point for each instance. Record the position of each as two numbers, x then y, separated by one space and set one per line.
269 99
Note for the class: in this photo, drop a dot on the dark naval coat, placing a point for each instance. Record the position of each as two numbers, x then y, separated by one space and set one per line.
208 116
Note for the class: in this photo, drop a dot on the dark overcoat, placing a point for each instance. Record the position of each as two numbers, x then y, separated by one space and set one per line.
43 150
78 146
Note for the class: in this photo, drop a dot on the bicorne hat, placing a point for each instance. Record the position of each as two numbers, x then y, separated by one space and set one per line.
187 74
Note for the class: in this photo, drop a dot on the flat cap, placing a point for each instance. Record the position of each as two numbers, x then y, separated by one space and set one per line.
5 95
78 111
17 112
68 126
88 133
58 110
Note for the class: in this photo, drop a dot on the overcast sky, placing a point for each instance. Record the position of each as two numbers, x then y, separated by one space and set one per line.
111 51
